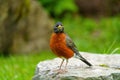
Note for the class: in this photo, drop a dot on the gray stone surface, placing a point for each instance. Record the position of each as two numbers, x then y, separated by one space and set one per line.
105 67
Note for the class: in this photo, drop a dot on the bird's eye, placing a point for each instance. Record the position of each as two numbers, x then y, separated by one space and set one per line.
57 25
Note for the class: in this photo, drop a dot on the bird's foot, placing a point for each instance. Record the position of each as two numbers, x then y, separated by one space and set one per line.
61 71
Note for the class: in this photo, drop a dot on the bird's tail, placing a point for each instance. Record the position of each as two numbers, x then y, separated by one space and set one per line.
77 55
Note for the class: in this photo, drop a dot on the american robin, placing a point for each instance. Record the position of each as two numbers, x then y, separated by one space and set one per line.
63 46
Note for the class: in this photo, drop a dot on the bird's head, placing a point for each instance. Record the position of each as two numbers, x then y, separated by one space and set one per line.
58 28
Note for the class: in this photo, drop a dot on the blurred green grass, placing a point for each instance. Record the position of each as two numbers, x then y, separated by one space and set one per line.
97 36
21 67
89 35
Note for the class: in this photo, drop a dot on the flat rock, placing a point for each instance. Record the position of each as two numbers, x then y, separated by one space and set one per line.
105 67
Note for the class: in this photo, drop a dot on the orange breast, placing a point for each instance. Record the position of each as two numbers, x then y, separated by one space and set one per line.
59 47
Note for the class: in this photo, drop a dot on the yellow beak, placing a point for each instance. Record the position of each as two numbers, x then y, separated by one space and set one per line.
59 27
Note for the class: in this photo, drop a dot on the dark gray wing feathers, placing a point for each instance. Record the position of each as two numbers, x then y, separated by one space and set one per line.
72 46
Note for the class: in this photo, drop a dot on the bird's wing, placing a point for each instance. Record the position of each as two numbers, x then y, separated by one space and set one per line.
71 44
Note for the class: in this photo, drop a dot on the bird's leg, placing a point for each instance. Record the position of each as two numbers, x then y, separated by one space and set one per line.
61 64
66 64
63 70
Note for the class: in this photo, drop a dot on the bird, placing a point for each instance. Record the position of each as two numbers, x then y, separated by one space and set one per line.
63 46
